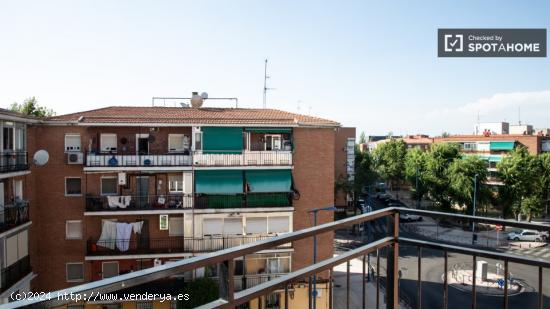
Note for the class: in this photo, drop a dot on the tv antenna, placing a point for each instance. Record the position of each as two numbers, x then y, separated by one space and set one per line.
265 83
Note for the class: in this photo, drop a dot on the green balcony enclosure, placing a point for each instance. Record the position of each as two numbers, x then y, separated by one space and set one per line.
222 140
502 145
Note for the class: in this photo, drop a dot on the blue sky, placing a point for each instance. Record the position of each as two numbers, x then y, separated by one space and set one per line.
367 64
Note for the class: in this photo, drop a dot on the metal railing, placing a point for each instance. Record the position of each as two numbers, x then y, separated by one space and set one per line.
15 272
242 158
13 161
138 202
173 244
391 242
13 215
126 160
249 200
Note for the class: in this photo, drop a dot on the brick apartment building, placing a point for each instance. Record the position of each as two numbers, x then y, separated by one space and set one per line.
180 182
15 198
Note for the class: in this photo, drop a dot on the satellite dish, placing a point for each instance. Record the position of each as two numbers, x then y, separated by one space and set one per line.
204 95
41 157
196 100
152 138
124 141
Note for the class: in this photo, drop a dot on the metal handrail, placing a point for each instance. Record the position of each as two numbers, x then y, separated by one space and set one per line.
227 256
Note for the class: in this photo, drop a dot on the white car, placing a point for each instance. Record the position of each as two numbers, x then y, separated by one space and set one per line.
526 235
409 218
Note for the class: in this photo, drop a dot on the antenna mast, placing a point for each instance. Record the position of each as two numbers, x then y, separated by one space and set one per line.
265 83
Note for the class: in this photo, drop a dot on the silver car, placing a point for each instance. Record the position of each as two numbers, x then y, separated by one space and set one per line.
526 235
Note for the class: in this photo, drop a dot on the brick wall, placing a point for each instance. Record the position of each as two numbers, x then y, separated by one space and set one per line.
314 178
531 142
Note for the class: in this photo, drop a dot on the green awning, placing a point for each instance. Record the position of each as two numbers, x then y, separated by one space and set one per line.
269 130
222 140
219 181
489 158
268 180
502 145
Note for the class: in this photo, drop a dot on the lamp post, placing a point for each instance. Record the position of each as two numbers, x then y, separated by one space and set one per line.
417 195
474 210
314 212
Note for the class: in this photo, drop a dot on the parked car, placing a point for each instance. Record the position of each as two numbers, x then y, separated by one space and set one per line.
526 235
409 218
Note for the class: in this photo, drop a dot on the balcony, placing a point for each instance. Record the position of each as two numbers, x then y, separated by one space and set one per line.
396 275
13 161
124 160
15 272
245 158
175 244
138 202
250 200
13 215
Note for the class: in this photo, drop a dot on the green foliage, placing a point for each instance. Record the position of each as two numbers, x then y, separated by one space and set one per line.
462 175
362 138
389 159
201 291
415 169
437 177
30 107
526 178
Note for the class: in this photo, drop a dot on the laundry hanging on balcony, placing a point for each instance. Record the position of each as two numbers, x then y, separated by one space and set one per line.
118 234
119 201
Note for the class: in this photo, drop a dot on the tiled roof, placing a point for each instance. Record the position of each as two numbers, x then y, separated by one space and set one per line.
176 115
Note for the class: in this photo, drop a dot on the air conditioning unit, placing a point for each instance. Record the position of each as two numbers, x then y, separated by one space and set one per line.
75 158
122 179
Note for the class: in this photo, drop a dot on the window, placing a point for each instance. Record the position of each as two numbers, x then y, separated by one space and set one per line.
109 269
72 142
233 226
212 227
144 305
198 141
20 137
109 185
256 226
108 142
278 225
8 136
175 226
75 272
175 183
73 229
73 186
178 142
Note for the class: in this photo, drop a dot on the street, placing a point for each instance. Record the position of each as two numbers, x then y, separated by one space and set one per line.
433 268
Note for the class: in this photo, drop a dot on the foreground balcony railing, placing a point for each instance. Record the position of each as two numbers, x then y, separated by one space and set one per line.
13 161
244 158
138 202
15 272
225 259
123 160
13 215
250 200
173 244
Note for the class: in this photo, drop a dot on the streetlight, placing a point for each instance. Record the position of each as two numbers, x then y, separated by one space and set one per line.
474 210
417 195
315 211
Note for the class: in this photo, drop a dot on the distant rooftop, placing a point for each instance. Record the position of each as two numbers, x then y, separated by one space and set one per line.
199 116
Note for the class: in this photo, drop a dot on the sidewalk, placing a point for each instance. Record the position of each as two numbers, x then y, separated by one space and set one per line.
356 291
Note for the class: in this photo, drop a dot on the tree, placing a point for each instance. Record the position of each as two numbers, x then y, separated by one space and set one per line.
362 138
30 107
415 168
436 177
521 173
364 175
462 176
389 159
201 291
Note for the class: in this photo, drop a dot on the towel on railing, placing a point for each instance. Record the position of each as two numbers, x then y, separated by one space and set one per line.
108 235
119 201
123 234
136 226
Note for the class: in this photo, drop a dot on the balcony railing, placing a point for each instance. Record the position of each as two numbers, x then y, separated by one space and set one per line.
124 160
250 200
13 215
390 243
15 272
244 158
172 244
138 202
13 161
